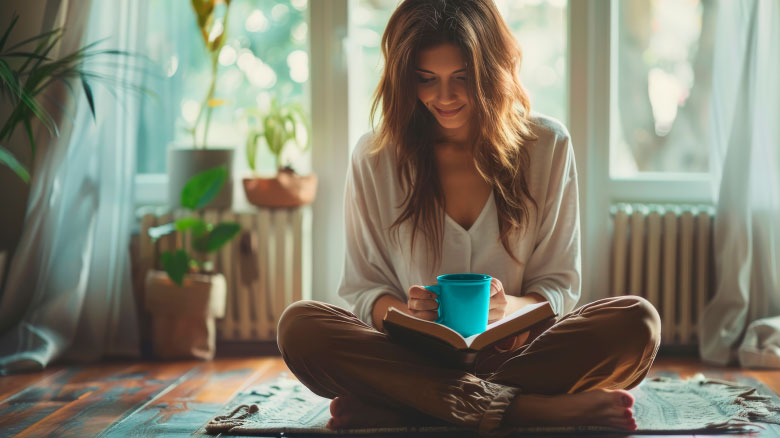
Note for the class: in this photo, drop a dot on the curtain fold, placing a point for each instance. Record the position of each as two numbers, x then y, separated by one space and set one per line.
69 292
742 322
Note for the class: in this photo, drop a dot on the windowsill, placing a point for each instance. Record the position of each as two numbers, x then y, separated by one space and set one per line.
662 188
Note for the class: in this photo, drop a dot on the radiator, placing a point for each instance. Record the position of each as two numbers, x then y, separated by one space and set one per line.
664 253
267 266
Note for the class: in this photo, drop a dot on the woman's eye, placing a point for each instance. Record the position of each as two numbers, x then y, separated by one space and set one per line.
462 78
424 80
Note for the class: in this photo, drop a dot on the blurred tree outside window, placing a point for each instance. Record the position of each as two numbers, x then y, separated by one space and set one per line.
663 84
266 55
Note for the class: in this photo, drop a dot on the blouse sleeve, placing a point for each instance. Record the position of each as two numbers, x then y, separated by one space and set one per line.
368 273
553 269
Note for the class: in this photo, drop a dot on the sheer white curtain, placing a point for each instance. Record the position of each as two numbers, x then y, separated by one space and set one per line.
68 292
743 320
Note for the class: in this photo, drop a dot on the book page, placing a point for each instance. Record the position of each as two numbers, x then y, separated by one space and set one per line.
519 321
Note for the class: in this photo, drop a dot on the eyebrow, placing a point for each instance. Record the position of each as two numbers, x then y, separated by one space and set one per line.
430 72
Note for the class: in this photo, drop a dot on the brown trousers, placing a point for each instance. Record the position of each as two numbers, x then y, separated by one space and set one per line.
610 343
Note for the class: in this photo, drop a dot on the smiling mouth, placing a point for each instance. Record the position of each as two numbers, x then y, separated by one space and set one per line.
448 113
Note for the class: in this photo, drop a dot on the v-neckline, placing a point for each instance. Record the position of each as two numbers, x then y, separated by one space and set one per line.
476 221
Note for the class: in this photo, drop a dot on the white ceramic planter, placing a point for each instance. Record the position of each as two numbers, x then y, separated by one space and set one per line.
183 318
184 163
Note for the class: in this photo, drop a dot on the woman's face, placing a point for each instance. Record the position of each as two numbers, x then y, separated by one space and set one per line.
442 87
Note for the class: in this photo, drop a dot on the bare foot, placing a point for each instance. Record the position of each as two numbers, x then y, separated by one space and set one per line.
598 407
349 412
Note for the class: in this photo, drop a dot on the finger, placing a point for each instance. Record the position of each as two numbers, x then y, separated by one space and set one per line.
495 315
419 292
494 287
422 304
425 314
498 301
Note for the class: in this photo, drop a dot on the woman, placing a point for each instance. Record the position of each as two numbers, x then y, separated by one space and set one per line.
461 177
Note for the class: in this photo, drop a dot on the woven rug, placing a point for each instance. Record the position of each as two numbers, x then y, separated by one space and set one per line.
663 405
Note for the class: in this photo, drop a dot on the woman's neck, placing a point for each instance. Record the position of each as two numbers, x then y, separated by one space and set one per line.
459 137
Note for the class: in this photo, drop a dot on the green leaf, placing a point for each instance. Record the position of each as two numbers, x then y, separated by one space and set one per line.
24 55
28 128
7 158
274 134
90 98
176 264
4 38
197 226
219 236
7 76
36 37
251 149
203 187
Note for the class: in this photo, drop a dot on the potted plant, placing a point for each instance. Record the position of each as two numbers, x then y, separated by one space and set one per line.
280 126
186 297
186 161
27 71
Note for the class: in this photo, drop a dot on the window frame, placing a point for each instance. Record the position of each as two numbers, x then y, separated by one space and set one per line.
591 47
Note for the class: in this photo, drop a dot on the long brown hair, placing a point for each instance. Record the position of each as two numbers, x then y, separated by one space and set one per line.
501 106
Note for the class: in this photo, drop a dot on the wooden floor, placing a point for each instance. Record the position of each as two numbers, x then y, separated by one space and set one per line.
174 399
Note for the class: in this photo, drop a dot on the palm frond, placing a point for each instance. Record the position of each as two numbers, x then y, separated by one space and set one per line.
7 32
24 55
30 136
90 98
7 158
45 45
41 36
26 99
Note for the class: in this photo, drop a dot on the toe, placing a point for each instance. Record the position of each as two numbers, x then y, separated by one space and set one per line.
623 398
337 406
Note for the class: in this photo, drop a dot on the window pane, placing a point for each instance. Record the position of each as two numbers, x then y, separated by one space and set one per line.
664 56
265 55
539 26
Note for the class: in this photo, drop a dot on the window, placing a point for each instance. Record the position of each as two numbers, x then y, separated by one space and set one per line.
539 26
266 55
664 54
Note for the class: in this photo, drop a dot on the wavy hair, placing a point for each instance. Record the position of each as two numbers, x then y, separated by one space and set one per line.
500 111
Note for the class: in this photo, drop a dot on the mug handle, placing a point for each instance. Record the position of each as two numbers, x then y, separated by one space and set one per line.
436 289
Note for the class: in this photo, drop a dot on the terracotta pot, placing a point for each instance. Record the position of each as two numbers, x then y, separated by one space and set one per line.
286 189
183 317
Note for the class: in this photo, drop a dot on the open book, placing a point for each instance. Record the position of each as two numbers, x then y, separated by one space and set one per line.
447 344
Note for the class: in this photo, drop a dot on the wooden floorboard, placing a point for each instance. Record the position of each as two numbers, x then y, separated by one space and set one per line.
109 399
175 399
193 402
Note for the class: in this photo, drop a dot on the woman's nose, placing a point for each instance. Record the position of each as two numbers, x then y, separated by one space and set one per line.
447 93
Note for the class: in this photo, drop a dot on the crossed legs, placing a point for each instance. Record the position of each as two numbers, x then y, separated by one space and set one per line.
582 362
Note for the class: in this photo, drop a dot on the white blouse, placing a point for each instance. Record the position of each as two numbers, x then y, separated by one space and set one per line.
380 261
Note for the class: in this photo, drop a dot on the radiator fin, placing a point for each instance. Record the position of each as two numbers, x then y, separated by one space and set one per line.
663 253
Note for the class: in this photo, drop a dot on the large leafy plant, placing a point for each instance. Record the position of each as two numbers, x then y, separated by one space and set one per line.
27 70
213 30
206 238
280 125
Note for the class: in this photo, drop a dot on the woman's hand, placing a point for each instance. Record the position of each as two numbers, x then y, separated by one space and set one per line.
498 308
498 301
422 303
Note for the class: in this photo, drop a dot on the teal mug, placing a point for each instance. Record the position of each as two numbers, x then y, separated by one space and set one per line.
464 302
